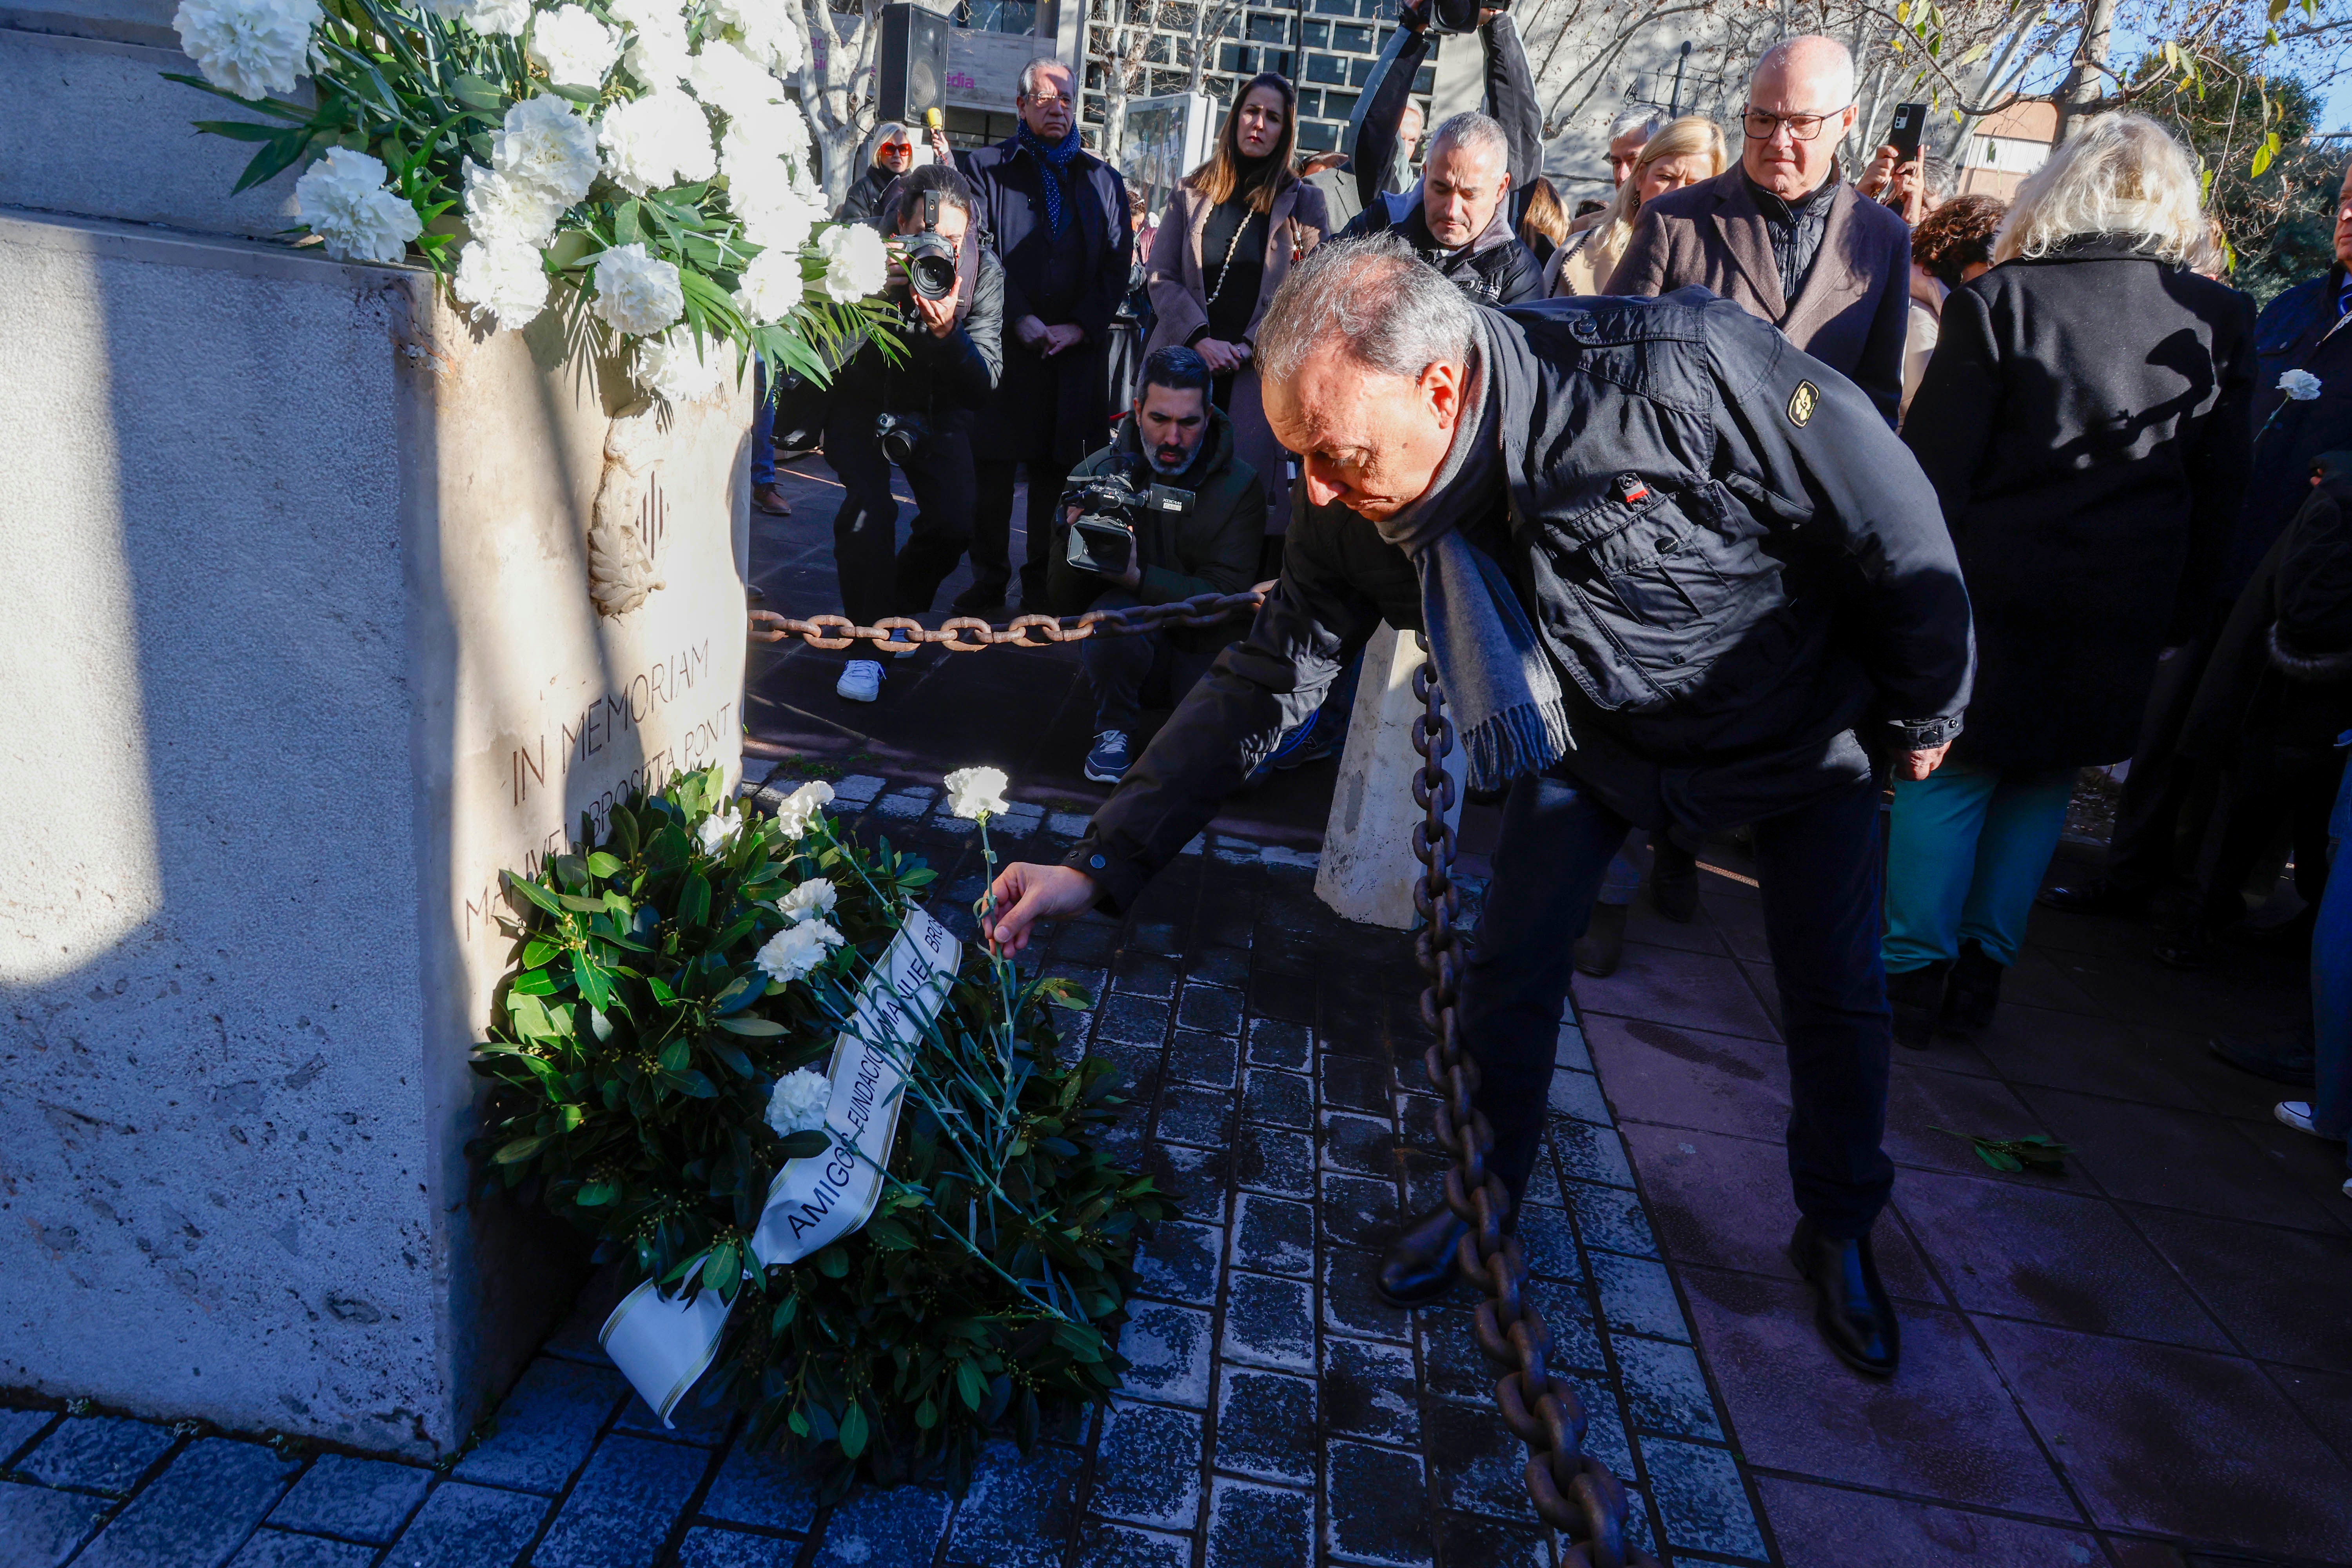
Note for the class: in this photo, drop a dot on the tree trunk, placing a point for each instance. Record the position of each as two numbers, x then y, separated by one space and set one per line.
2086 80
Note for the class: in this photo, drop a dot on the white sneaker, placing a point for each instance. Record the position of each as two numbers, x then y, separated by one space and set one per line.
861 681
2296 1113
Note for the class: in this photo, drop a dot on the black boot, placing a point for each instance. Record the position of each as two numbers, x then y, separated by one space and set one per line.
1602 945
1975 990
1674 880
1850 1305
1917 997
2095 896
1420 1266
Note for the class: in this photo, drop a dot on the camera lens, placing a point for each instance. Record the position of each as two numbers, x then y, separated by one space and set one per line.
932 277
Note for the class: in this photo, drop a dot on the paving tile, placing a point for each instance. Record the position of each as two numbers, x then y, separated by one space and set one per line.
1927 1108
1102 1545
1274 1043
462 1526
97 1453
1357 1211
2178 1442
1477 1465
1364 1145
1664 1390
1214 1009
1577 1095
1610 1219
1178 1262
1604 1429
1689 1078
1273 1236
1589 1153
1218 966
270 1548
545 1426
1698 1494
1492 1543
1355 1083
1195 1178
40 1528
17 1430
2027 1044
1210 1059
1682 990
1374 1506
1369 1390
2306 1319
1278 1099
1148 1468
1131 1020
1571 1051
2176 1159
363 1500
197 1512
709 1546
1548 1241
1267 1426
1020 1510
874 1528
1863 1530
1350 1303
620 1512
705 1426
2055 1258
2325 1400
1145 974
1452 1366
1269 1323
1258 1526
1189 1113
1569 1316
1945 1427
1169 1349
759 1488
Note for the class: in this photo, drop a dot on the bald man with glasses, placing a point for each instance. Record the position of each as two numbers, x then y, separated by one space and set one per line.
1783 235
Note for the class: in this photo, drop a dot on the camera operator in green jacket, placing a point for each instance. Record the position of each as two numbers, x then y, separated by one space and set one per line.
1196 514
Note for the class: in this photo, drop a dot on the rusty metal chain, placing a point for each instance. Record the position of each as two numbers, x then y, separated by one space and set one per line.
969 633
1572 1492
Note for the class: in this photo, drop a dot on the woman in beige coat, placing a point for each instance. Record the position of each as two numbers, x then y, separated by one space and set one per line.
1684 153
1225 243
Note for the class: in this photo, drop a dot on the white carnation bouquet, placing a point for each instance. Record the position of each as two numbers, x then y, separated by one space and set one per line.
640 166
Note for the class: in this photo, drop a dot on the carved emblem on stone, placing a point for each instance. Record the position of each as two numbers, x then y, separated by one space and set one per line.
630 518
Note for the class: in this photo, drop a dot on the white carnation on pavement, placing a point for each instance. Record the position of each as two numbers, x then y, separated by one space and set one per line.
497 18
2300 386
636 292
342 198
546 143
974 793
250 47
802 807
794 952
855 265
811 899
770 287
572 46
502 279
507 208
799 1103
655 141
676 368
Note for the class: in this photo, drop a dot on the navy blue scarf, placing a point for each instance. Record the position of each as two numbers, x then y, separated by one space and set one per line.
1053 159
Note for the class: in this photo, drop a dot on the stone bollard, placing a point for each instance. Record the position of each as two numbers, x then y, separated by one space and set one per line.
1368 870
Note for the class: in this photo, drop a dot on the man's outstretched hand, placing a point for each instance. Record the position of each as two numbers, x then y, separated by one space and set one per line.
1027 894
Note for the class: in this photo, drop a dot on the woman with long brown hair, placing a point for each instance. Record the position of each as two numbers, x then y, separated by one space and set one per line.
1225 243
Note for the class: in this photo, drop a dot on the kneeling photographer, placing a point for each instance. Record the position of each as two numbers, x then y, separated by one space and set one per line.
950 291
1165 511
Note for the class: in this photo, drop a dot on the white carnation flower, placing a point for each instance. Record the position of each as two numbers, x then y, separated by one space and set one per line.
502 279
802 807
794 952
764 131
676 368
975 793
770 287
545 143
657 53
713 832
250 47
855 265
342 198
2300 386
811 899
727 78
767 28
572 46
637 293
655 141
500 19
510 209
799 1103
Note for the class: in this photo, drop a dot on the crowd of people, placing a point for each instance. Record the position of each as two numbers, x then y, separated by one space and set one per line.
1924 493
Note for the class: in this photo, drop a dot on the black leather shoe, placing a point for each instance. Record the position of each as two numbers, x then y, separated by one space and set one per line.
1974 993
1602 946
1850 1305
2097 896
1916 996
1674 882
1420 1266
981 596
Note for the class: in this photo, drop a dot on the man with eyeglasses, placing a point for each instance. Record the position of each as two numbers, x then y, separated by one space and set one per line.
1783 235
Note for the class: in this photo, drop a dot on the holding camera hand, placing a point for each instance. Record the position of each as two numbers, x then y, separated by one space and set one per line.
938 315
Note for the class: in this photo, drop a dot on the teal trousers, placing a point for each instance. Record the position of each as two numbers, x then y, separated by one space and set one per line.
1965 854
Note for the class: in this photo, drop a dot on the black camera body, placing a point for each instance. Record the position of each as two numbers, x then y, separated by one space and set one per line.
900 433
1460 15
928 260
1109 505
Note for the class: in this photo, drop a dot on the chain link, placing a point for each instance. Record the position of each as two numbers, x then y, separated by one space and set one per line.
969 633
1572 1492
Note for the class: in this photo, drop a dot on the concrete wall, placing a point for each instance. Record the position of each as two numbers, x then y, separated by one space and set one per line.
301 652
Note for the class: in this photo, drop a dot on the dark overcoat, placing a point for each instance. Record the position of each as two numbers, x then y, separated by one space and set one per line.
2298 330
1052 410
2084 423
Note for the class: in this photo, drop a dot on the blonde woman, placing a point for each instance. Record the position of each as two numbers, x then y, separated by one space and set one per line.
2085 421
1224 245
1684 153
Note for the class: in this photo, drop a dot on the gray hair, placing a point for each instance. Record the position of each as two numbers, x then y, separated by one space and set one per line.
1937 174
1811 54
1028 82
2119 173
1383 307
1645 119
1474 133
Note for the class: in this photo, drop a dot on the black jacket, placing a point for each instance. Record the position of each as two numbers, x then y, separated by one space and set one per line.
1729 557
1371 140
940 377
2083 422
864 200
1493 269
2298 330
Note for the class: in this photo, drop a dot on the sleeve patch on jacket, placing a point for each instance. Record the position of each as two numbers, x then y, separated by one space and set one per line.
1802 402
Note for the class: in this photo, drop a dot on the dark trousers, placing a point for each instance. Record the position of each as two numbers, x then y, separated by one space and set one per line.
1820 868
1124 671
2140 852
878 578
992 535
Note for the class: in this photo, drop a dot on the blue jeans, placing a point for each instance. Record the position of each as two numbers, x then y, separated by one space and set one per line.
1819 866
2331 987
763 426
1965 855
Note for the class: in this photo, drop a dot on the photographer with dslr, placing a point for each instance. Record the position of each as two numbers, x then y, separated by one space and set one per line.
950 291
1165 511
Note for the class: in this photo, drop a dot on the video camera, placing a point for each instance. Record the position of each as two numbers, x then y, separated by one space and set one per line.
1109 505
